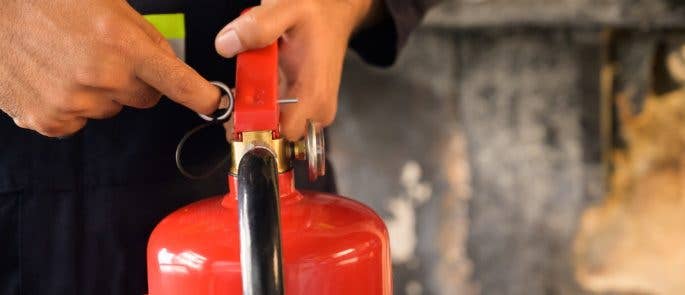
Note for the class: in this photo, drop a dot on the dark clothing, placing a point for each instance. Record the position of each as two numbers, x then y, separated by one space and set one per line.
380 44
75 213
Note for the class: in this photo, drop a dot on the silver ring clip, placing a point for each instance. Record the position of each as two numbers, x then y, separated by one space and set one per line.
226 103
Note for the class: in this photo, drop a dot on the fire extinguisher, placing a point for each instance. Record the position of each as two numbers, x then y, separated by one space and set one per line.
264 236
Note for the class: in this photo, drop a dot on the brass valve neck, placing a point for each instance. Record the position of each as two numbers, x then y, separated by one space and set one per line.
282 149
311 148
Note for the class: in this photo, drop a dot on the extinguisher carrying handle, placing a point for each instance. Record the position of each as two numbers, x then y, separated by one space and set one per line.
259 220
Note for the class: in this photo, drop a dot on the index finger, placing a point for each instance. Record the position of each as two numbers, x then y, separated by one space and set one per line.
175 79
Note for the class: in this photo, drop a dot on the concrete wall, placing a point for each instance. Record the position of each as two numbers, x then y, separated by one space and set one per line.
481 147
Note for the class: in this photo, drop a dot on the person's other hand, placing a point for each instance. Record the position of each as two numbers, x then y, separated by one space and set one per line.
67 61
314 36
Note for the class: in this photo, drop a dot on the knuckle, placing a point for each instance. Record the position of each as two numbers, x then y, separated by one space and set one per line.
143 97
52 128
328 115
254 31
325 106
166 46
294 132
108 26
73 127
87 74
261 38
49 128
13 111
250 19
148 101
20 123
77 124
67 104
61 102
105 24
122 44
104 112
293 127
114 33
163 43
328 118
111 112
96 74
72 108
91 75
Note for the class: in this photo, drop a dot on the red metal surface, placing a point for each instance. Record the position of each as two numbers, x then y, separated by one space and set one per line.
331 245
256 105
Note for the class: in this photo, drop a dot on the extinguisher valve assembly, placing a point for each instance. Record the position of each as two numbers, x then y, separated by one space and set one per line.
311 148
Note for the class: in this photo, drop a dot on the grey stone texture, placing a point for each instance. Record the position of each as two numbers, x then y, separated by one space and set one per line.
481 147
559 13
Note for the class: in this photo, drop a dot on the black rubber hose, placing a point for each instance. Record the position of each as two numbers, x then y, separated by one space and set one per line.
259 220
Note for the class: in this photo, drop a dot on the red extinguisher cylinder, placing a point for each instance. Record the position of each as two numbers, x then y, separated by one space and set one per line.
264 236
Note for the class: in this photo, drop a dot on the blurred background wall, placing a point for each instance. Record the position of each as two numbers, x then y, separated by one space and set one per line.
525 147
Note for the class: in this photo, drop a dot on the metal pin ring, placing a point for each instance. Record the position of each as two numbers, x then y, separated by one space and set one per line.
226 94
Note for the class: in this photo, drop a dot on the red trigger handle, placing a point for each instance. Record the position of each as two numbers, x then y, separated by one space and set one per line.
256 89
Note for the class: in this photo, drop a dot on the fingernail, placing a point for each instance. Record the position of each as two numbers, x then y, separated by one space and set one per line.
228 44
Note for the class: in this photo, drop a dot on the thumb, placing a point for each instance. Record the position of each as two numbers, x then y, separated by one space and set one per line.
256 28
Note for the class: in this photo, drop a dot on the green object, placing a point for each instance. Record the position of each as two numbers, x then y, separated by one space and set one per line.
172 26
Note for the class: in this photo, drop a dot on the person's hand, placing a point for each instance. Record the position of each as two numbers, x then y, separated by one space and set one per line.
314 36
66 61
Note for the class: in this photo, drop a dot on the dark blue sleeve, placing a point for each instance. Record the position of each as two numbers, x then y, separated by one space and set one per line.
157 6
380 43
